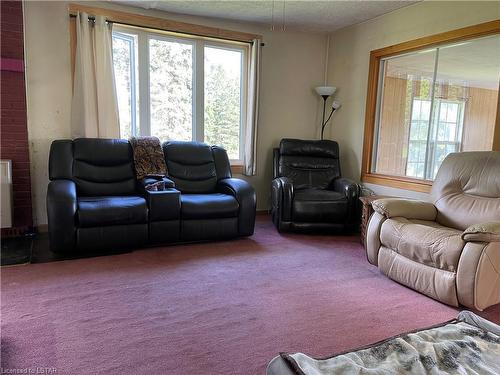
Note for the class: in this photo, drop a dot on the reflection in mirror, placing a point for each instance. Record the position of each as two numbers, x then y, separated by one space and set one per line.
434 102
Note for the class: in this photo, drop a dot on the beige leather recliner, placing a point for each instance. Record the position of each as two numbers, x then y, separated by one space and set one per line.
448 249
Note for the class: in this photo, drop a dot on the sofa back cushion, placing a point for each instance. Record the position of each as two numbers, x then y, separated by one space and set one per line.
98 166
61 160
191 166
309 164
466 190
103 167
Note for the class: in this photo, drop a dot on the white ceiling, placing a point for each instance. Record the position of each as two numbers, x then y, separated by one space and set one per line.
305 15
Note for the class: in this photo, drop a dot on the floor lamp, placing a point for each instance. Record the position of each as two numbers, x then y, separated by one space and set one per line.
325 92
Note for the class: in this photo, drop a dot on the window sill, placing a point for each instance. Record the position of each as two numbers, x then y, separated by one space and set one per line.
236 168
406 183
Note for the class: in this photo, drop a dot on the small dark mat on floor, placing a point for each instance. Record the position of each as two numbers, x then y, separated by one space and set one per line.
16 250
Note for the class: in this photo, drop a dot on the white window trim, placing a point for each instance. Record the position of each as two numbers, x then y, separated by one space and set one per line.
432 141
243 89
133 89
198 84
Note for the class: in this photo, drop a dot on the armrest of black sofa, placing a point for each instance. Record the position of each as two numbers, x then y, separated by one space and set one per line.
347 187
282 197
245 195
164 204
61 212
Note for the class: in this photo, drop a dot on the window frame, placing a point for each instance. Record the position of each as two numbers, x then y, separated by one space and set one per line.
144 72
245 55
198 44
374 89
133 72
435 142
429 163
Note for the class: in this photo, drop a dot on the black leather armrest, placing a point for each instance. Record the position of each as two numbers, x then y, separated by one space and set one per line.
282 197
163 204
351 190
347 187
245 195
61 212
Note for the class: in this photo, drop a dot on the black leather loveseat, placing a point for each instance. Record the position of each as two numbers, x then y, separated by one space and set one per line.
94 201
308 192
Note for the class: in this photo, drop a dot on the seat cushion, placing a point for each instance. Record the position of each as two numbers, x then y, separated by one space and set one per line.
316 205
208 206
100 211
425 242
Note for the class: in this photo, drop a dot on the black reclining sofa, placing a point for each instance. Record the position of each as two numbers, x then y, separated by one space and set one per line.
94 201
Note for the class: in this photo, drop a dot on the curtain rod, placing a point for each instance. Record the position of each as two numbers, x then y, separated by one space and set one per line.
92 18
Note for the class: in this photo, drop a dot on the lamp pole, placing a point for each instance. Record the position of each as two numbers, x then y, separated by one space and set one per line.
325 92
325 97
335 105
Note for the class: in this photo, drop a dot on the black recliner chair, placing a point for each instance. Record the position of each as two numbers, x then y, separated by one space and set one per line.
94 201
308 192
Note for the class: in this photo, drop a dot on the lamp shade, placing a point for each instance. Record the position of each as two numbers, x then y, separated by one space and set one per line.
336 105
325 90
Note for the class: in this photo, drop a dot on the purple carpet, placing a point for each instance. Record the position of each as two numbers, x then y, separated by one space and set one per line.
213 308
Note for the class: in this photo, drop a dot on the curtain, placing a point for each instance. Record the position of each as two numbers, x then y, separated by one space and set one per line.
94 107
250 156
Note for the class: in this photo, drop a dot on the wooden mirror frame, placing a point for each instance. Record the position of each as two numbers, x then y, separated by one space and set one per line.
408 183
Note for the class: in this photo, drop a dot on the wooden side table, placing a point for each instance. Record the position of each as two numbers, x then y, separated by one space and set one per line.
366 213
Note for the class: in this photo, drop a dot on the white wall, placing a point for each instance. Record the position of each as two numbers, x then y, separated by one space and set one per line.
293 64
48 90
349 57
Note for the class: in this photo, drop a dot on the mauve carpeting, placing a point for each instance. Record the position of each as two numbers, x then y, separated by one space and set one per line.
212 308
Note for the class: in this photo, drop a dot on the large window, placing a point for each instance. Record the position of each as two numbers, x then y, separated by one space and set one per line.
426 103
181 88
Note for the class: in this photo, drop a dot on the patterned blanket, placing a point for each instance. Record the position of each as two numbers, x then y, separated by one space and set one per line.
453 348
149 160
